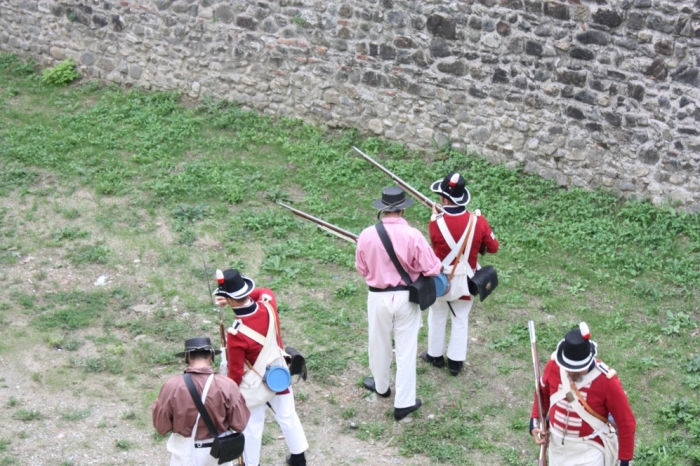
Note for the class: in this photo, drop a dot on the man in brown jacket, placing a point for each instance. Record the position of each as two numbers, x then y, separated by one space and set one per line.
174 410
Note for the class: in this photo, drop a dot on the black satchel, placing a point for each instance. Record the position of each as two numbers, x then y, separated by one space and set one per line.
421 291
484 281
228 446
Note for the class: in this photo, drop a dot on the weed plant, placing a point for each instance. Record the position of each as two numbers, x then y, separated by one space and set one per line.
62 74
27 415
628 268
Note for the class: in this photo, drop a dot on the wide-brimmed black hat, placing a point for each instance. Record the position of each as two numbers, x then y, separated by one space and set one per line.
453 187
393 199
197 344
576 351
232 284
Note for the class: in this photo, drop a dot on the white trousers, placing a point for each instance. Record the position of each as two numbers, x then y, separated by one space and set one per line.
437 323
387 313
184 453
286 416
573 452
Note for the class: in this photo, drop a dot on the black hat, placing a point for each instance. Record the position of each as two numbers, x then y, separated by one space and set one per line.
232 284
197 344
576 351
453 187
393 200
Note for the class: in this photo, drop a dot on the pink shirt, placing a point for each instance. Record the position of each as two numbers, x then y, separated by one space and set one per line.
413 251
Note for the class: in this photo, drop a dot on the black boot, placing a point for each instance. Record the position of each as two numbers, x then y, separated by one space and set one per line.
437 361
455 366
369 385
400 413
296 460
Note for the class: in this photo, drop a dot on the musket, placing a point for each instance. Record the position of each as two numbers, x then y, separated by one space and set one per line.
223 368
407 187
538 392
329 227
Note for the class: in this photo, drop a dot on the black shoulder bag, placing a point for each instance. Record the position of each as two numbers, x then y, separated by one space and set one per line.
226 447
422 291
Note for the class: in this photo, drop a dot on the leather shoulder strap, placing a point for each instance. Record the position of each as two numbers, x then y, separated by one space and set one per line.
580 405
588 408
386 241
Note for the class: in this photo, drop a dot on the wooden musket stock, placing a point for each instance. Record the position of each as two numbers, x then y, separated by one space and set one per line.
542 461
407 187
329 227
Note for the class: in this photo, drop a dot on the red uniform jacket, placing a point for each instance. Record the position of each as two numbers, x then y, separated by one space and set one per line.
240 347
604 395
456 224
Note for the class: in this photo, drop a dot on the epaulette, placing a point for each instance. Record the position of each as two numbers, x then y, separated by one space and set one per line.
477 212
266 297
602 367
434 217
554 356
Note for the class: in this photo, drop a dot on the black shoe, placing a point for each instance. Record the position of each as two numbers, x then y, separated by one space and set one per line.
296 460
455 366
369 385
437 361
400 413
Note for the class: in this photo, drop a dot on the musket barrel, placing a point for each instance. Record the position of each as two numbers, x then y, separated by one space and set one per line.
538 391
352 237
414 192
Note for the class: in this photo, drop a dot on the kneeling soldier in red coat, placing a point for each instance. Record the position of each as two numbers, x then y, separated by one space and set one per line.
590 419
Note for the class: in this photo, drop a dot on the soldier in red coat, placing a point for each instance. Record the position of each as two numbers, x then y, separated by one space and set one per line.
448 231
589 417
253 308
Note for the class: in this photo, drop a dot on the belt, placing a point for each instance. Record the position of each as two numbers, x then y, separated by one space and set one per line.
202 444
391 288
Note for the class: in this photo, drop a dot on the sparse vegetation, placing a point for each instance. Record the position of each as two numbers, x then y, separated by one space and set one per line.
123 444
27 415
76 414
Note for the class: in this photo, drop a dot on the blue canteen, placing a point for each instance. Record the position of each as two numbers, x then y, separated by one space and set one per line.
277 378
440 284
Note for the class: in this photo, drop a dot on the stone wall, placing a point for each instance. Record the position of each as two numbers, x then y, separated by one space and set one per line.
586 93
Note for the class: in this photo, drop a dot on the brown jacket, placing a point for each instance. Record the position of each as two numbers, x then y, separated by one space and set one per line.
175 411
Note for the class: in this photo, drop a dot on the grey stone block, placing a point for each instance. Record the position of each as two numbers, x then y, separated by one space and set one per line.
581 54
533 48
557 10
225 14
660 23
688 75
648 155
442 26
609 18
134 71
593 37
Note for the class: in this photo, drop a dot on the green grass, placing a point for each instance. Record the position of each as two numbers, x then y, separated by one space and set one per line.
73 310
27 415
76 414
172 184
123 444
